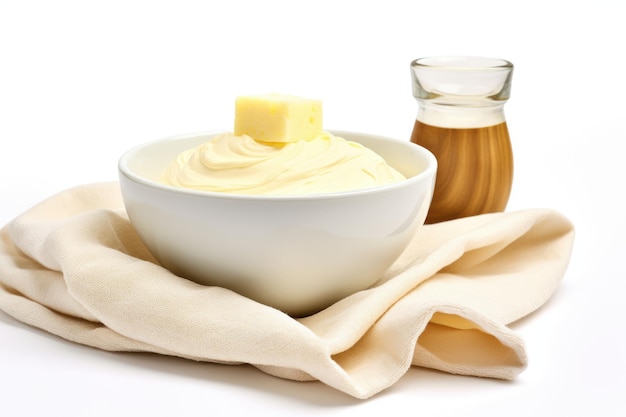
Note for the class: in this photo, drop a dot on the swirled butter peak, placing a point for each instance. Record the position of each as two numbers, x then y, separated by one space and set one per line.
242 165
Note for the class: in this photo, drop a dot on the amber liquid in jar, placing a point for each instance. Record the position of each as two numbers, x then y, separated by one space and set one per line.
475 169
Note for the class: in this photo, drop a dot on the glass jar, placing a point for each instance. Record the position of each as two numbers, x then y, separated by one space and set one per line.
460 119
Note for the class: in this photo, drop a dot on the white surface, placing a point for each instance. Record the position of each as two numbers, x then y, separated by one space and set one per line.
81 82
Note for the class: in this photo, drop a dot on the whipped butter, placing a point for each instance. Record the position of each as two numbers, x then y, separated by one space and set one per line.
241 165
279 148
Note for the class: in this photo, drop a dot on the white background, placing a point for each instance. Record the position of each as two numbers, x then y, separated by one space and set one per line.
82 81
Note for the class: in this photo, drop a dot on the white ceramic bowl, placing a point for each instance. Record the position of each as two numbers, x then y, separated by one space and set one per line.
298 254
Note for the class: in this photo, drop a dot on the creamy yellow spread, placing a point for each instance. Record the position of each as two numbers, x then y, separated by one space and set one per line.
241 165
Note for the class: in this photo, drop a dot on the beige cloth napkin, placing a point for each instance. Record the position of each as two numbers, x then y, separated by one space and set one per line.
74 266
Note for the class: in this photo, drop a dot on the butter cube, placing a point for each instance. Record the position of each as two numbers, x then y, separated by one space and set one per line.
278 117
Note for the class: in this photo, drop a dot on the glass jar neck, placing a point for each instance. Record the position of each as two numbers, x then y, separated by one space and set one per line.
460 116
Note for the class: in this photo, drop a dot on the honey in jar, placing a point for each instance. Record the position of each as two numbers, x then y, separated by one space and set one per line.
461 121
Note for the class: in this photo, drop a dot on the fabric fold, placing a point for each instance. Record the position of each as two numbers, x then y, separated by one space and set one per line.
74 266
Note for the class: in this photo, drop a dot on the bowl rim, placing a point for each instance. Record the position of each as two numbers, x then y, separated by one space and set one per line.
427 173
